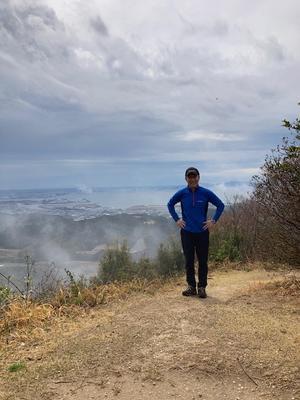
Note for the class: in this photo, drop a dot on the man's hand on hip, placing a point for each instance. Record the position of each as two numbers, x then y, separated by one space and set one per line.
209 224
180 223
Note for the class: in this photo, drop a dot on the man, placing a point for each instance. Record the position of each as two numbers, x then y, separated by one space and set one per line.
194 228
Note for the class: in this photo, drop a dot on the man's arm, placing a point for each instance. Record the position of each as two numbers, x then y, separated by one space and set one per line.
216 202
171 205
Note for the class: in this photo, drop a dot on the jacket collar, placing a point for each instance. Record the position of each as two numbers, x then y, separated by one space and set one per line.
190 190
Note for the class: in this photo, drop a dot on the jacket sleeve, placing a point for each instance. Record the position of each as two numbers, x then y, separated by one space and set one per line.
216 202
171 205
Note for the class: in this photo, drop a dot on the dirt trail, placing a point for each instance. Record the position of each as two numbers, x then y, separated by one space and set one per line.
232 345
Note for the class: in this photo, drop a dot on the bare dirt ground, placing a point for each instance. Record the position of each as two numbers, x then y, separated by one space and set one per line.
240 343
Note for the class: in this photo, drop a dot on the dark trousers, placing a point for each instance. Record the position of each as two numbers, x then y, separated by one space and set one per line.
192 241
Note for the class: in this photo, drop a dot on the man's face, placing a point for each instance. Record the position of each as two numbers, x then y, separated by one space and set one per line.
192 180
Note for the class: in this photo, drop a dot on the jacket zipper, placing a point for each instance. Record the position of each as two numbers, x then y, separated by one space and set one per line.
193 199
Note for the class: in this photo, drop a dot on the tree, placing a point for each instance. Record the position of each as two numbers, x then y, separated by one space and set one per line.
277 191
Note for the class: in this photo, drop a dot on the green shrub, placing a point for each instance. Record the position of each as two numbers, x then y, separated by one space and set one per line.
116 264
146 268
17 366
5 294
75 287
228 249
170 259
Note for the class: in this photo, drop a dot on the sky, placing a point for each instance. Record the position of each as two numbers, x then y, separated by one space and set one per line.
130 93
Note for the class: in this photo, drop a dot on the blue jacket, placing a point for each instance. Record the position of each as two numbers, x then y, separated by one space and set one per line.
194 207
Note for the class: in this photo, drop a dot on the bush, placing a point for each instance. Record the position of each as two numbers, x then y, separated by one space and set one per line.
170 259
5 294
229 250
234 237
117 263
146 268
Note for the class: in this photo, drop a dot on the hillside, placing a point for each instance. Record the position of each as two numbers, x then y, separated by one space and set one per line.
45 235
240 343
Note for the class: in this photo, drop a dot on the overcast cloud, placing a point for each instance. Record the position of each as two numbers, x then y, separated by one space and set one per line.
108 92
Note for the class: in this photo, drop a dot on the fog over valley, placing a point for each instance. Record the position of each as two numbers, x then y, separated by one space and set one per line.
71 228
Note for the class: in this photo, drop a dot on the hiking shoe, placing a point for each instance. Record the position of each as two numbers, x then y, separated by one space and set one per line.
202 292
190 291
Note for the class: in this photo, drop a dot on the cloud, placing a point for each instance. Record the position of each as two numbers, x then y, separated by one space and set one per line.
99 25
208 136
100 81
31 31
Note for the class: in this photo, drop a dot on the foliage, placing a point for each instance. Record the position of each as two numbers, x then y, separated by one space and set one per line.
229 237
169 260
277 192
117 264
5 295
229 250
74 286
16 367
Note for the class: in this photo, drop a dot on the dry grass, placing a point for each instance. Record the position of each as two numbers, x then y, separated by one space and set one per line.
31 332
29 321
20 314
249 266
289 285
